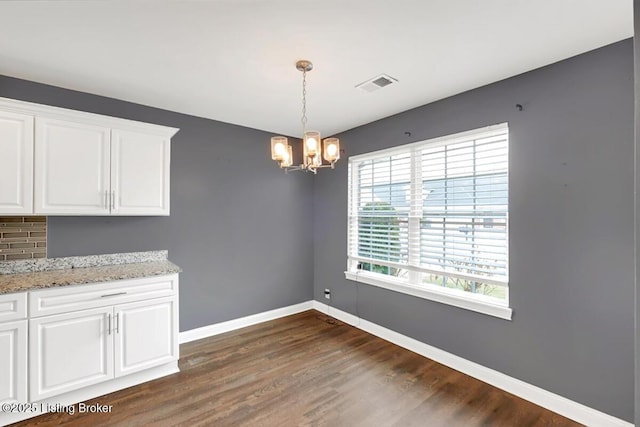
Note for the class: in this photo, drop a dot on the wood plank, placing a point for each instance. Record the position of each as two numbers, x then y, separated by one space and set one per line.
304 370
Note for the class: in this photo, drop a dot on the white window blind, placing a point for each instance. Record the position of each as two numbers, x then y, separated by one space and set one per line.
434 213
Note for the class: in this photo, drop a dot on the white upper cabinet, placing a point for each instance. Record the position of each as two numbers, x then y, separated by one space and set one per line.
81 163
72 173
16 168
139 173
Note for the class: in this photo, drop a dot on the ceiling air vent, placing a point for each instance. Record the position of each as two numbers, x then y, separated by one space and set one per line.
376 83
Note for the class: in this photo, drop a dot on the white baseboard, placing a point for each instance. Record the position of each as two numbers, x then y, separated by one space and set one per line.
556 403
232 325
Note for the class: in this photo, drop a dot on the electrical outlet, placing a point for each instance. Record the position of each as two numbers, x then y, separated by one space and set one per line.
327 293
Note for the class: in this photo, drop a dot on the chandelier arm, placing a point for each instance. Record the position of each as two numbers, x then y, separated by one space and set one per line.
288 169
331 165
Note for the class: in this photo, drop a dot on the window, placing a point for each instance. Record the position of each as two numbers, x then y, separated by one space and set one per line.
431 219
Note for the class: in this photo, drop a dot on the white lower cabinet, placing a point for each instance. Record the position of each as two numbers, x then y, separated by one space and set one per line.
79 348
145 336
13 362
69 351
13 348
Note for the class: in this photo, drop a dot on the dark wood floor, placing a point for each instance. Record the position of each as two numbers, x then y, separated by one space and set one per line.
302 370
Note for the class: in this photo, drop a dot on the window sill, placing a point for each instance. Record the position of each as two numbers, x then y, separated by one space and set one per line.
442 296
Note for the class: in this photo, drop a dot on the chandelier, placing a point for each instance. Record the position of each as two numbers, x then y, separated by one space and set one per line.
312 151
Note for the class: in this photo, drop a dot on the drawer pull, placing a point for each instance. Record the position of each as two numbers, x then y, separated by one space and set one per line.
113 295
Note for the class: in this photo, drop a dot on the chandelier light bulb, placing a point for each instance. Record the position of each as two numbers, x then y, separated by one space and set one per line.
332 150
312 144
280 150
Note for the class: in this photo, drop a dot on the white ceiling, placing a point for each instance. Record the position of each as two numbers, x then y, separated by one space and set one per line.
233 60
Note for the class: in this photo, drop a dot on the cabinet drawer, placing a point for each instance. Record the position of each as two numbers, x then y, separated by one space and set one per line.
13 306
81 297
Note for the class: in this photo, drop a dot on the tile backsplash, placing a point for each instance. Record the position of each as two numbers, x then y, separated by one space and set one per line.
23 237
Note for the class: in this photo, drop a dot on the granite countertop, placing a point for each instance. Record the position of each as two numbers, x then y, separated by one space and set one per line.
83 270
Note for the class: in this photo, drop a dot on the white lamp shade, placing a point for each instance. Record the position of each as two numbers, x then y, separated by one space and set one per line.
311 145
279 148
331 151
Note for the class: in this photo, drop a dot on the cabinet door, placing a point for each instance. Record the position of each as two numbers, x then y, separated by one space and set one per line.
71 168
69 351
13 361
146 335
16 164
140 173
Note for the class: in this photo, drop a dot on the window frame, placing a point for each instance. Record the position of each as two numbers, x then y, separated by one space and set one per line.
455 297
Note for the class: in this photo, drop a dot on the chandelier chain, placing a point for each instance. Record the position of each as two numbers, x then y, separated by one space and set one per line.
304 101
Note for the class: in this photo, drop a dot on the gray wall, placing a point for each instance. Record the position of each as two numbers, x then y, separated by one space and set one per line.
571 230
636 51
239 227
